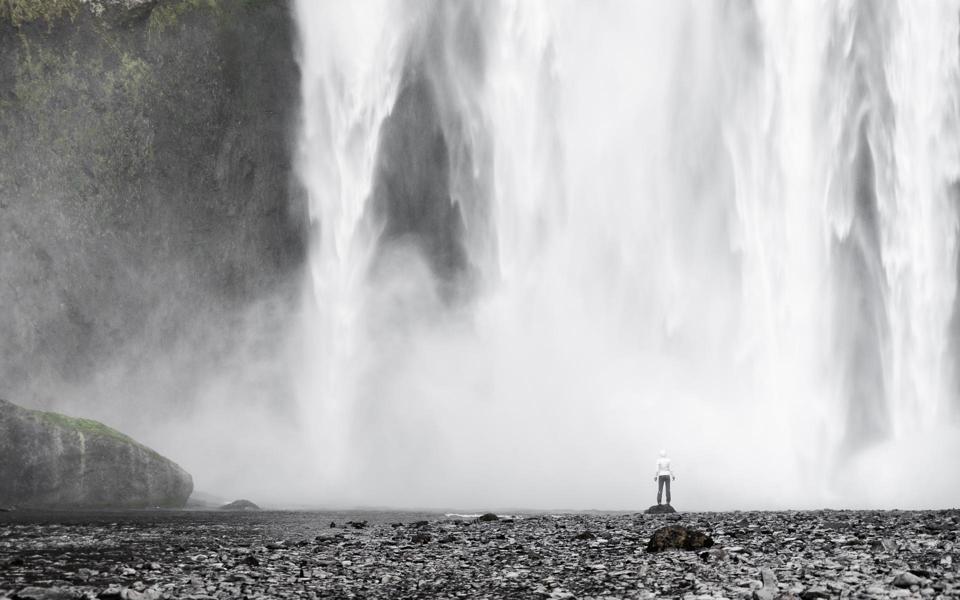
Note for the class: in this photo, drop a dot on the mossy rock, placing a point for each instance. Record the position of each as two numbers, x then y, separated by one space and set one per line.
50 460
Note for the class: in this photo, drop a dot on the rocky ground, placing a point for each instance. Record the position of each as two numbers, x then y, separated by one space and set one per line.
201 555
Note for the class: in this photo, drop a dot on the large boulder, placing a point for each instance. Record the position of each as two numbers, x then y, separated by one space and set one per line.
51 460
679 538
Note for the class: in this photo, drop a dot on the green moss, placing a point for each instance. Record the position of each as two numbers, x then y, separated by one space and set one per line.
89 427
167 15
19 12
84 426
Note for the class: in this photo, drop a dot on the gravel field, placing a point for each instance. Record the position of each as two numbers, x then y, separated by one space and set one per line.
216 554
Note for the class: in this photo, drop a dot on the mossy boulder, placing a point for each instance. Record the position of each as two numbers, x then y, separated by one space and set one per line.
51 460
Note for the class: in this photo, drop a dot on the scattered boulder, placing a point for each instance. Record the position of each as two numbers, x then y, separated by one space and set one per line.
585 535
240 505
660 509
906 579
50 460
678 537
486 517
420 537
713 555
39 593
357 524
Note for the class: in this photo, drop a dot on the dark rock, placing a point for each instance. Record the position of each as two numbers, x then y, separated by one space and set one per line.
660 509
357 524
678 537
488 517
422 524
113 592
51 460
420 537
814 594
240 505
332 524
251 561
585 535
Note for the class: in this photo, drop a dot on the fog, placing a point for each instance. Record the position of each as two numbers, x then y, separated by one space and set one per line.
551 238
722 230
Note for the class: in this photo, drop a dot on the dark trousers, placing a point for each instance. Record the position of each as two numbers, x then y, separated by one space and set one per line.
663 480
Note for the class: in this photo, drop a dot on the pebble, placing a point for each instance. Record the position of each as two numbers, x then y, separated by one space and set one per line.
768 556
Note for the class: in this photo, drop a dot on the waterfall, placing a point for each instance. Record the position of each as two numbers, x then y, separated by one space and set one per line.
550 238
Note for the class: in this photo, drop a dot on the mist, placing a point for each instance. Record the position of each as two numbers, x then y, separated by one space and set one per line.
523 246
685 227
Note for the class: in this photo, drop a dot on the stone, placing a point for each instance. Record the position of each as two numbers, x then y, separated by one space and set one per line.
50 460
487 517
906 579
240 505
39 593
769 589
420 537
660 509
713 555
206 554
678 537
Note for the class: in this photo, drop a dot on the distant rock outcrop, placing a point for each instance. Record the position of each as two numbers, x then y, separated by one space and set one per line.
240 505
660 509
678 537
51 460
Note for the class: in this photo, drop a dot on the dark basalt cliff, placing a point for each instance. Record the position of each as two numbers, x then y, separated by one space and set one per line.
146 195
51 460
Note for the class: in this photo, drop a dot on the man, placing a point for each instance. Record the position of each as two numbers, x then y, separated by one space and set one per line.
663 476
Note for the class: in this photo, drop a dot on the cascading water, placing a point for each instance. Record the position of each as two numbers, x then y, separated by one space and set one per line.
551 238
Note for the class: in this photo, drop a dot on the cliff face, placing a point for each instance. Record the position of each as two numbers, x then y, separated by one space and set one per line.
146 195
50 460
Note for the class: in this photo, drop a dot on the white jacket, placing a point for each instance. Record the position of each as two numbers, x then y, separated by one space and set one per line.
663 467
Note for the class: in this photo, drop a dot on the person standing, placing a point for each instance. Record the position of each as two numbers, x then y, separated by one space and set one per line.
664 476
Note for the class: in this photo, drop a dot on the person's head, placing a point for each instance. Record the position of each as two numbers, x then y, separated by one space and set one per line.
663 453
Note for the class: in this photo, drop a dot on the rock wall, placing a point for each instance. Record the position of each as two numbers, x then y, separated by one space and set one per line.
146 195
50 460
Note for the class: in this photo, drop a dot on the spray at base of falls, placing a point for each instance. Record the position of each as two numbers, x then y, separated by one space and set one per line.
552 238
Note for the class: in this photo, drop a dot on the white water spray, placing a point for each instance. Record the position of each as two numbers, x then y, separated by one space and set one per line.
726 230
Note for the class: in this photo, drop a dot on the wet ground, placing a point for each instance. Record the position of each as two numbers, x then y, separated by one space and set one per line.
213 554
